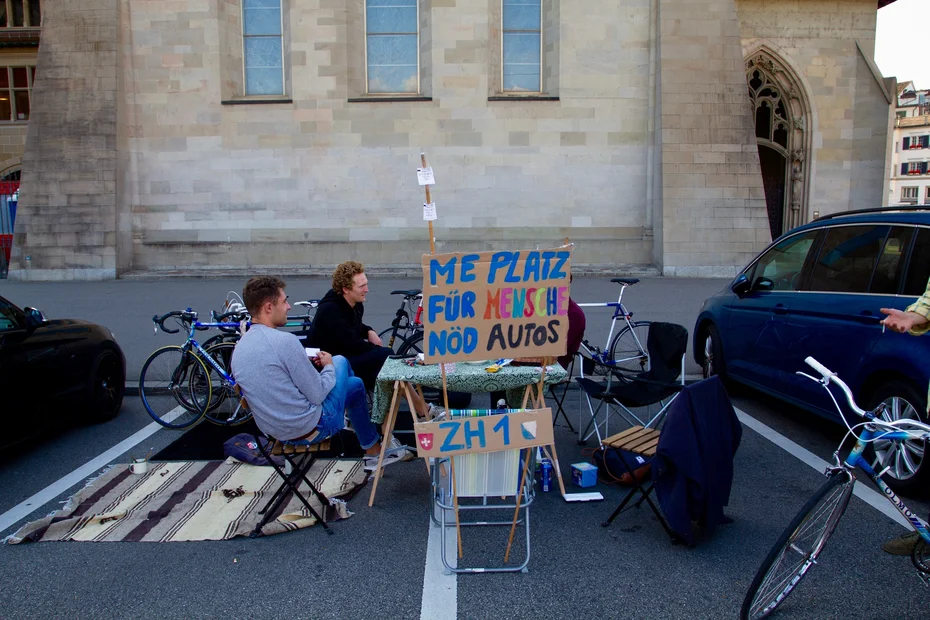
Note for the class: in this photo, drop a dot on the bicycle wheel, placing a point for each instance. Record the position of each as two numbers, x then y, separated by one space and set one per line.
414 346
225 407
798 547
168 390
399 341
628 350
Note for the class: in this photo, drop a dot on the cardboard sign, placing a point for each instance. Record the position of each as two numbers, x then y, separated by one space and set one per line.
489 305
469 435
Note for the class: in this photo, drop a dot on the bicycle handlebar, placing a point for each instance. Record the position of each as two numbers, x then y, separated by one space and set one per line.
187 316
830 376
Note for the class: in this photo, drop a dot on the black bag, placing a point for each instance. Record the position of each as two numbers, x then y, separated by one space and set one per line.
612 466
242 447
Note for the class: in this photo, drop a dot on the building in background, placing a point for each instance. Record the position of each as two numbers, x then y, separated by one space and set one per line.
20 22
680 135
910 171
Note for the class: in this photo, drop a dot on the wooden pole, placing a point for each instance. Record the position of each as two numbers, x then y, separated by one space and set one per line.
432 238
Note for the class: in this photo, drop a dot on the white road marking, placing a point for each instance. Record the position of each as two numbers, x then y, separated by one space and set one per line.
23 509
871 497
440 591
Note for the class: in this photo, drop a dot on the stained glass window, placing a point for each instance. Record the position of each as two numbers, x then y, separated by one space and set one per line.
263 47
392 47
522 37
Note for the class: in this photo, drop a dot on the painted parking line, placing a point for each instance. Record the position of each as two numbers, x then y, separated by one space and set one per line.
871 497
49 493
440 591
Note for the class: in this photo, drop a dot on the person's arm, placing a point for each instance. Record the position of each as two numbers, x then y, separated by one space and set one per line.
366 332
335 332
314 385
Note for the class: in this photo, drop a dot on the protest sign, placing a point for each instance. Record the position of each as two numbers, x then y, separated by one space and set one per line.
469 435
489 305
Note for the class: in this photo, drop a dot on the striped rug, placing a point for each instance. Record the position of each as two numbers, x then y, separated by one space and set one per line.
186 501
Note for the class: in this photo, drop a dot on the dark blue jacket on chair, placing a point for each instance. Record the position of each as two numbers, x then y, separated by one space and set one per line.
693 465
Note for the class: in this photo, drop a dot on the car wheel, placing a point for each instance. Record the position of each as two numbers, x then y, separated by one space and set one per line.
712 363
106 388
903 459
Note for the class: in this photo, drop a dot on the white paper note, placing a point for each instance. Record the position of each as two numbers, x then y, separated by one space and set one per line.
425 176
429 212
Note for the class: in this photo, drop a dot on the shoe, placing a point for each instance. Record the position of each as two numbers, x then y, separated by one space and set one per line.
400 448
435 412
501 404
371 462
902 545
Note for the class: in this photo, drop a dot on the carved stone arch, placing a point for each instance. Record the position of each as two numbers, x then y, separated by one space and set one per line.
784 130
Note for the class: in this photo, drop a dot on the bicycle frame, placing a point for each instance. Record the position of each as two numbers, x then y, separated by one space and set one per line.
620 312
855 460
202 353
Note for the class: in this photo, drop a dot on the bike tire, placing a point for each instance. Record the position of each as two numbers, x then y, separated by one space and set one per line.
168 391
628 350
414 346
225 407
399 340
805 538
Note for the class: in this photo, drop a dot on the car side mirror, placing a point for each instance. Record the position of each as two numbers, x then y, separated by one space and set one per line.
740 285
34 317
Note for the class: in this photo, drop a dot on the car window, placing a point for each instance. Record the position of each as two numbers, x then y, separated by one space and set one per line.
9 317
779 268
847 258
890 267
918 270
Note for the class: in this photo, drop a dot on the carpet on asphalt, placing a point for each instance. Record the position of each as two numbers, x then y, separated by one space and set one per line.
193 500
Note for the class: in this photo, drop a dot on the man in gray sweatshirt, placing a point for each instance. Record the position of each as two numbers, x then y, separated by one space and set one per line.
290 398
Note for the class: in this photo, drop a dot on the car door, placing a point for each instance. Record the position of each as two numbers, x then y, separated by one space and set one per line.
835 318
14 415
755 331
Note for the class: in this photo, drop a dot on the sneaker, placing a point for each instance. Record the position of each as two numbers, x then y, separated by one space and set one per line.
902 545
435 412
501 404
400 448
371 462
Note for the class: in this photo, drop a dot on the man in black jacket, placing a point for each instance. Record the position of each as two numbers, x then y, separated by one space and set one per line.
338 327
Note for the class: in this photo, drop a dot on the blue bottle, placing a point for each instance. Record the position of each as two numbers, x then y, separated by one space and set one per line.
546 475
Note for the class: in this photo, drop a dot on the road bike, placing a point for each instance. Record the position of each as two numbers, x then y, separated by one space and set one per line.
802 542
180 385
625 351
405 335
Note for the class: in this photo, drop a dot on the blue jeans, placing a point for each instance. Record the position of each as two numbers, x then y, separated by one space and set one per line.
348 395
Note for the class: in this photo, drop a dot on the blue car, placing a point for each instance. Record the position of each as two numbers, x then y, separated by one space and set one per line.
817 290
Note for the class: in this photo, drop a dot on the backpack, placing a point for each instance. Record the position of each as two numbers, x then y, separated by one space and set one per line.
242 447
611 467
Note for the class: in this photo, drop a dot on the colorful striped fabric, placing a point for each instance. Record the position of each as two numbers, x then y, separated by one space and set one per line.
487 474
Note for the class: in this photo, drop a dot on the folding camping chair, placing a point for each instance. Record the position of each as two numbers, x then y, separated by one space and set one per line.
298 458
684 449
667 344
484 483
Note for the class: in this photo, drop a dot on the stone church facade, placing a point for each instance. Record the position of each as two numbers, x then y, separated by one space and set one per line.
679 135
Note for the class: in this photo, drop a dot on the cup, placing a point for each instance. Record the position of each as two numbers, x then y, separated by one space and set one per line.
139 466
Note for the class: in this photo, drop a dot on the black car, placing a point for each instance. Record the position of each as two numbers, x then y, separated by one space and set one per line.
55 370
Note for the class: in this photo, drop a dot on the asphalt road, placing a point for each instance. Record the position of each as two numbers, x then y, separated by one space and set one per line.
375 562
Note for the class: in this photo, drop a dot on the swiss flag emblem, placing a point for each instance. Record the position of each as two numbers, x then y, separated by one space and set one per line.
426 440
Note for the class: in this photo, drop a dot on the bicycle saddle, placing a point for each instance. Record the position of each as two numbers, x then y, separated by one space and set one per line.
410 293
628 281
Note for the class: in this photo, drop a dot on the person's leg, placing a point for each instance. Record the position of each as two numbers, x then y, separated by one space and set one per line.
348 393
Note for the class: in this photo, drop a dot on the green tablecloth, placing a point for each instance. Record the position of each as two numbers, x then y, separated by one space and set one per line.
460 377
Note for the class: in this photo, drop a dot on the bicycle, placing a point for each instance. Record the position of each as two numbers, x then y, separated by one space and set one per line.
627 350
799 546
405 336
181 385
234 310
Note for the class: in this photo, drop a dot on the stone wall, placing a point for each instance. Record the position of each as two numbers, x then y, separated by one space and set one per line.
66 219
713 204
323 179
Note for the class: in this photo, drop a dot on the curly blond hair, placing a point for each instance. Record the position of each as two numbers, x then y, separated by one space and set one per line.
344 275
